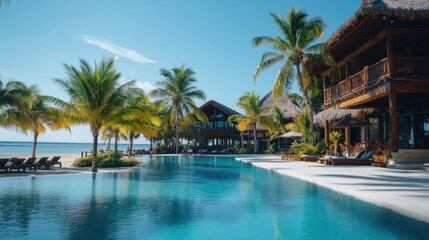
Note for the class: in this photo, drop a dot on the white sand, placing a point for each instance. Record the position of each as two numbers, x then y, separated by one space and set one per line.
403 191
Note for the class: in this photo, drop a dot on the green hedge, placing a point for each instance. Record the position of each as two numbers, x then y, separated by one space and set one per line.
106 160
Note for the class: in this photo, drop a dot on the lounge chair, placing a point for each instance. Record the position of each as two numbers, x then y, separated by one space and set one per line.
30 163
16 164
202 151
3 162
189 152
42 163
309 158
224 151
364 160
214 151
54 161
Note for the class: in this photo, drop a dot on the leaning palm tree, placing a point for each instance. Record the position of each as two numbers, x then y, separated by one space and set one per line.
32 112
253 115
95 94
298 51
177 92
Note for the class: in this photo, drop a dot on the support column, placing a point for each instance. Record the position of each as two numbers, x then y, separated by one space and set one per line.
366 135
347 136
394 129
327 132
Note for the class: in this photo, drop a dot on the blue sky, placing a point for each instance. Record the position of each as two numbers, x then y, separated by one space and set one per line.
213 37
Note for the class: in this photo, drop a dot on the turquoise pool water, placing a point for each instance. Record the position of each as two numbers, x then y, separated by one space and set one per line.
190 198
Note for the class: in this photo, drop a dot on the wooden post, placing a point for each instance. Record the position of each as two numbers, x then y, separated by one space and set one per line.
327 132
347 136
366 76
394 128
366 136
389 50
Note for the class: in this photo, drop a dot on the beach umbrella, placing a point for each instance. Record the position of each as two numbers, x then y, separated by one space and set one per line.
290 134
349 122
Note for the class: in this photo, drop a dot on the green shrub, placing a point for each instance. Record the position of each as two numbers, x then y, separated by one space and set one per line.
108 159
304 149
243 151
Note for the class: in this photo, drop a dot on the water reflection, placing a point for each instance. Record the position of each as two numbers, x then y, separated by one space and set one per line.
190 198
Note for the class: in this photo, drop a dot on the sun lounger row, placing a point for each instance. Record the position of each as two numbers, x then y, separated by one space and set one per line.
8 164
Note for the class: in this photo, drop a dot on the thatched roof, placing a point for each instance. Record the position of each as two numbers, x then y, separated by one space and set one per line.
288 108
403 9
336 114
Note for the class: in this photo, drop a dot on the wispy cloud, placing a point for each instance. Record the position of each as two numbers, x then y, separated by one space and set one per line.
146 86
115 49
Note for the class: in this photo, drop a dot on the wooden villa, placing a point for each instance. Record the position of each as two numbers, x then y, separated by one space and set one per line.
218 131
382 52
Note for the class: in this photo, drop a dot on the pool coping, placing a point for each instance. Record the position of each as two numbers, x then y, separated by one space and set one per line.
408 197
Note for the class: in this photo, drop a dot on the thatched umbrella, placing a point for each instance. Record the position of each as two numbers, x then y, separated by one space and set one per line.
331 115
349 122
290 134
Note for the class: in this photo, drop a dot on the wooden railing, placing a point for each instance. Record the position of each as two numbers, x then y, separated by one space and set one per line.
414 67
357 81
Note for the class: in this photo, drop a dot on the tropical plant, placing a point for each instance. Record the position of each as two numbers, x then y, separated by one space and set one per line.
298 51
177 92
278 125
95 94
10 93
253 115
32 112
301 124
335 137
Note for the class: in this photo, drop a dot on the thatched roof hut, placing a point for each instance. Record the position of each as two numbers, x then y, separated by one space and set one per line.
288 108
336 114
402 9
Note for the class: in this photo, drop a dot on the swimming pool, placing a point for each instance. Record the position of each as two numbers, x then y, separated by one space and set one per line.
190 198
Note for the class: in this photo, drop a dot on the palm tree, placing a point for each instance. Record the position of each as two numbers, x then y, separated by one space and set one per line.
10 93
177 92
95 94
138 116
278 125
296 49
301 124
32 112
253 115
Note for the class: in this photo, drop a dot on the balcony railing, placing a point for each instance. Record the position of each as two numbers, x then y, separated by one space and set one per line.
357 81
411 67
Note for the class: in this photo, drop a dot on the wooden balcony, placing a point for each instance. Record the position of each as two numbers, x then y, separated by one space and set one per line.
358 81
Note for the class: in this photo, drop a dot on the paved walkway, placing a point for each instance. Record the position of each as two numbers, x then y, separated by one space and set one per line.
404 191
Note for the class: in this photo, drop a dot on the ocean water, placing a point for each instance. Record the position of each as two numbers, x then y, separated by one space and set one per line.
10 148
190 198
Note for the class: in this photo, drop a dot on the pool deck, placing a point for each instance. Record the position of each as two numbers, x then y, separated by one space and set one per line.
403 191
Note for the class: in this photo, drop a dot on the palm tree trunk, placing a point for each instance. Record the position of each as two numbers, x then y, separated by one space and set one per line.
131 143
109 140
34 144
306 98
94 150
177 133
151 144
255 140
278 143
116 141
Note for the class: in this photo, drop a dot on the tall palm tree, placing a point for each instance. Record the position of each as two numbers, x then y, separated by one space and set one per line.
177 92
253 115
95 94
298 51
32 112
